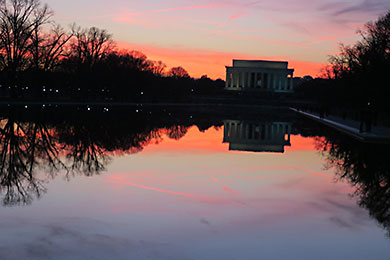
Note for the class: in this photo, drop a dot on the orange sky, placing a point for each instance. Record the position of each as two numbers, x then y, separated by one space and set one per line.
204 36
212 63
211 141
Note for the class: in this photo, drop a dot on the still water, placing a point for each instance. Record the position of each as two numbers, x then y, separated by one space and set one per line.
160 183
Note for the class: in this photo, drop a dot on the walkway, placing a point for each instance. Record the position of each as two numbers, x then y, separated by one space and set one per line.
378 134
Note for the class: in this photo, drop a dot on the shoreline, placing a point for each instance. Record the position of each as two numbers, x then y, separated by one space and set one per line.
349 127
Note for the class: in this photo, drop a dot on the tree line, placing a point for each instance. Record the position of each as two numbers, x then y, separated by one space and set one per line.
358 75
41 59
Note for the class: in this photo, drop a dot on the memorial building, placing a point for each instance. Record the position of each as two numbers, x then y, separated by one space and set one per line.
260 75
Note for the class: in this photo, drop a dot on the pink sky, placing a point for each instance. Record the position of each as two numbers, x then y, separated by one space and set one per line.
204 36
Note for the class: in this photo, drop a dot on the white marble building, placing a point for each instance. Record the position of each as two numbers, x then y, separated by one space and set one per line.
260 75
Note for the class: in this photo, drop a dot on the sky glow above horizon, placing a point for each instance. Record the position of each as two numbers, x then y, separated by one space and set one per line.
204 36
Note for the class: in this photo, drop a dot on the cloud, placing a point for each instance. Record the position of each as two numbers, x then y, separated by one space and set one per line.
69 240
204 222
174 9
296 27
225 187
184 194
233 17
322 40
341 222
367 6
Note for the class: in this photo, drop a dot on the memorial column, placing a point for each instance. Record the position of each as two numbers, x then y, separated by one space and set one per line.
226 129
227 85
274 81
285 80
243 79
249 79
255 86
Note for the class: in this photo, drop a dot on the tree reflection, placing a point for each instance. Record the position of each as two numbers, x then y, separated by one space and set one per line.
366 167
36 149
177 132
83 153
23 148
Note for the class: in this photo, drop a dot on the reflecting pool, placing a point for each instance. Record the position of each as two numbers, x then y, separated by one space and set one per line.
187 183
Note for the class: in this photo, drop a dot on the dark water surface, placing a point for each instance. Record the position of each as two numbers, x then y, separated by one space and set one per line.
187 183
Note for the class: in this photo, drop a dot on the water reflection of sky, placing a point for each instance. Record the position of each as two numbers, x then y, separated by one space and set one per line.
193 199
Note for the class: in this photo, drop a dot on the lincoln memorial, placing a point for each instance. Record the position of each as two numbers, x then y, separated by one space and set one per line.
259 75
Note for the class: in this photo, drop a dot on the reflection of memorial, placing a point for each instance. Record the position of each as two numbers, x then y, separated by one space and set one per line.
257 136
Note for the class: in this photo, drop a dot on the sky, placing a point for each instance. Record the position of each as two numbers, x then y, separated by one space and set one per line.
205 36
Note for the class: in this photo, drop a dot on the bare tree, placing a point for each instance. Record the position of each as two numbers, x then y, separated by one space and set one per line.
19 19
91 45
140 61
178 72
159 67
48 48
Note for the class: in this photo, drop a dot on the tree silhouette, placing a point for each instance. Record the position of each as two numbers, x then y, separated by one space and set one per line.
361 69
90 46
81 64
20 21
47 49
178 72
159 68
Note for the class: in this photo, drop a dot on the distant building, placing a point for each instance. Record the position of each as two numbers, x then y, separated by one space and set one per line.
257 136
260 75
